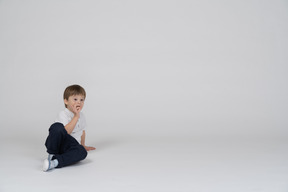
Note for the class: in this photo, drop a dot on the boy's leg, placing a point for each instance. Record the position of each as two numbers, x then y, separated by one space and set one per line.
72 155
65 148
56 138
71 152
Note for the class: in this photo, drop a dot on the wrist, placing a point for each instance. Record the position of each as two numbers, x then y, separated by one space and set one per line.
77 114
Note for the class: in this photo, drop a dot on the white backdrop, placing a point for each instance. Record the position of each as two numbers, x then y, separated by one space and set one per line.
152 68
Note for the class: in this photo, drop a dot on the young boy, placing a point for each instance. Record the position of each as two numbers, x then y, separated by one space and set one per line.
66 140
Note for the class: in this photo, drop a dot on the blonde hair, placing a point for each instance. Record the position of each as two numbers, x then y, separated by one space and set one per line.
73 90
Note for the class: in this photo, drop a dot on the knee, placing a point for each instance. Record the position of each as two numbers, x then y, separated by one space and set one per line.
57 128
83 152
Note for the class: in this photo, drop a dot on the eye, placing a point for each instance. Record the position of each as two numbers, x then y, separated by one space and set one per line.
82 100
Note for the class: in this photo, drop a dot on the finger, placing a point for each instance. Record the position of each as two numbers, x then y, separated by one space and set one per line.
91 148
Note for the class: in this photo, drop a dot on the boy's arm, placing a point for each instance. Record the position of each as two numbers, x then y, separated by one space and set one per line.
83 142
71 125
83 138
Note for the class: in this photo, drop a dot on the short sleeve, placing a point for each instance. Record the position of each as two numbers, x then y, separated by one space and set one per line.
62 118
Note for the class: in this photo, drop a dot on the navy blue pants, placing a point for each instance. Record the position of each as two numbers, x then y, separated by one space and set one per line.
65 148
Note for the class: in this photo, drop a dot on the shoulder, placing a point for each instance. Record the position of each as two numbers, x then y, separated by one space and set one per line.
63 114
63 117
82 116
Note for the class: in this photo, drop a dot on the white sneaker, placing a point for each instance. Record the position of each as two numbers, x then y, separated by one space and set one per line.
49 164
46 165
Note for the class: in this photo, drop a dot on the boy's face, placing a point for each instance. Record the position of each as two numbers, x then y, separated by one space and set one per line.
75 102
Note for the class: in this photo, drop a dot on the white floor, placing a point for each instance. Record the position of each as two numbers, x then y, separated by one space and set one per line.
170 164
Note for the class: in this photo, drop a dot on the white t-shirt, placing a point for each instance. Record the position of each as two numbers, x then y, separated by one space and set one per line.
66 116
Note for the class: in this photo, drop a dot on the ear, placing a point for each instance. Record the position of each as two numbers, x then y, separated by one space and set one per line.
66 101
